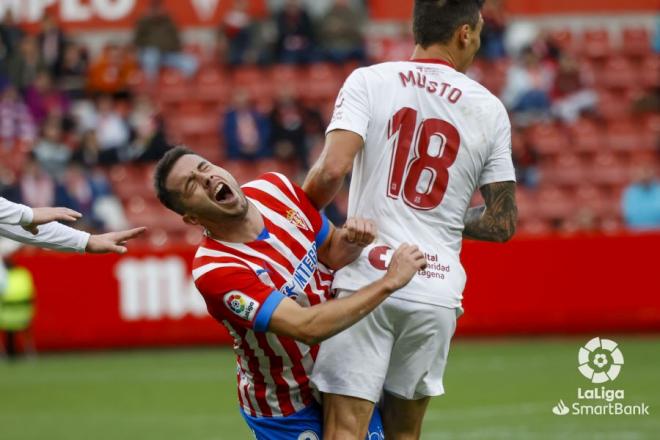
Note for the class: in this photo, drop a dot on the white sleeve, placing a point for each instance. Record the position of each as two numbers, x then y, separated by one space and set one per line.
352 107
499 164
14 213
52 235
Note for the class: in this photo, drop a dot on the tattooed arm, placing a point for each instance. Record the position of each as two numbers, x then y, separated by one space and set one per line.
496 221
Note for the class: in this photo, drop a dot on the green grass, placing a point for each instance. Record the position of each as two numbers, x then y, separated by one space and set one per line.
496 389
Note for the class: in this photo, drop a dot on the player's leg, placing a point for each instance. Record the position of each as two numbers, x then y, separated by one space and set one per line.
402 419
417 365
351 368
346 417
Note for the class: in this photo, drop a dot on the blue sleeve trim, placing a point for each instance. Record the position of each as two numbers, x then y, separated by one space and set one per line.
262 321
322 235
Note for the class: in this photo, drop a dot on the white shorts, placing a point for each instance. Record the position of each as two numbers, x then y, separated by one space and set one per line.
401 347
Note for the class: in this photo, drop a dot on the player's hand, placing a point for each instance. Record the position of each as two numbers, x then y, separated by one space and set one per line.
41 216
112 242
359 231
405 263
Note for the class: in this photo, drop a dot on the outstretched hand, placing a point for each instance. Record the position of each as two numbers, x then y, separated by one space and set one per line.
112 242
41 216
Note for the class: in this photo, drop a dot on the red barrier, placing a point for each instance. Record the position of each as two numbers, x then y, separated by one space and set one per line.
553 285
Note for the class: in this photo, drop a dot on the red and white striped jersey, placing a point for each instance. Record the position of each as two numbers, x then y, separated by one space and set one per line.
243 283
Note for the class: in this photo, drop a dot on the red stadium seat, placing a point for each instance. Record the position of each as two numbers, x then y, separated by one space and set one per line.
193 119
618 72
568 170
624 135
564 39
173 87
636 42
613 105
323 82
254 80
596 43
243 171
548 139
650 71
553 203
587 136
211 85
607 169
287 77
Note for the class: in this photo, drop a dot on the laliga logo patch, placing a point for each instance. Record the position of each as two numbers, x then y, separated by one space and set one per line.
241 304
600 360
296 220
380 256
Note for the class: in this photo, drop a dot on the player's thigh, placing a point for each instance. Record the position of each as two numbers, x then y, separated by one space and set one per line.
419 355
402 418
354 362
346 417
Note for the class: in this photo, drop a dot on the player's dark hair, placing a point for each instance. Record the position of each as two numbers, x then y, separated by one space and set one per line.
163 169
436 21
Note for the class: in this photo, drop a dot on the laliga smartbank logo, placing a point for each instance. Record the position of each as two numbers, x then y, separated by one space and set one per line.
600 361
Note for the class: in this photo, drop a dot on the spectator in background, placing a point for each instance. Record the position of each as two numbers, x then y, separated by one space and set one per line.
111 72
570 95
149 143
73 72
295 35
641 200
528 85
77 193
292 123
25 64
88 153
159 43
50 150
16 124
52 44
246 130
341 35
10 39
492 35
36 187
44 100
112 130
526 160
237 30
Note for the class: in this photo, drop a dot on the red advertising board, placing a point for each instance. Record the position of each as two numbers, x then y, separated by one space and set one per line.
118 14
528 286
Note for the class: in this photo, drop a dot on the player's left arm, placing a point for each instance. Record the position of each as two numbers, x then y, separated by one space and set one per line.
345 244
496 220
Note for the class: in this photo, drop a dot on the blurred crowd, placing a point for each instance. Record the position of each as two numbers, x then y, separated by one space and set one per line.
67 117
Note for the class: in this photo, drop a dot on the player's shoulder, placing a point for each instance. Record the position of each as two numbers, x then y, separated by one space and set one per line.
273 179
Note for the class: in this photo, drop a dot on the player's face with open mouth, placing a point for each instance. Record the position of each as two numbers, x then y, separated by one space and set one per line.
207 191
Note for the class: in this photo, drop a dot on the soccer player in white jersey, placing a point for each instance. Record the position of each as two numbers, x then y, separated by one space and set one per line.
420 138
40 227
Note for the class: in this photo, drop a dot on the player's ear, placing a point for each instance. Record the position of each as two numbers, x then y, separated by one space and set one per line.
191 219
464 35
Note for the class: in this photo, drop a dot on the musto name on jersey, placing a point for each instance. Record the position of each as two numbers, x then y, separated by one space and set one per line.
443 90
302 274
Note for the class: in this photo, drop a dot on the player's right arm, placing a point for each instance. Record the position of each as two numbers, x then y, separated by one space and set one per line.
345 138
240 298
29 218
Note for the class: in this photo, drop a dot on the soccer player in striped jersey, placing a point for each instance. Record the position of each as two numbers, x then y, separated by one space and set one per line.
264 270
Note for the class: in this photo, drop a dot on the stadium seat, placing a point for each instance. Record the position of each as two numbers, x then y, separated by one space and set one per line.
607 169
254 80
596 43
288 168
193 119
287 77
548 139
613 105
587 136
323 82
243 171
173 87
211 85
618 73
553 203
650 71
636 42
625 135
563 38
567 170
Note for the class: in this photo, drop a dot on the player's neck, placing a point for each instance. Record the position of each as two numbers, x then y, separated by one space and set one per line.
242 230
435 52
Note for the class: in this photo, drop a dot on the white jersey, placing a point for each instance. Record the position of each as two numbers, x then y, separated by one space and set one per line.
432 136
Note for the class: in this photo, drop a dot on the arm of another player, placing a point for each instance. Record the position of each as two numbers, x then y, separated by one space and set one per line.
328 173
496 220
59 237
345 244
29 218
312 325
